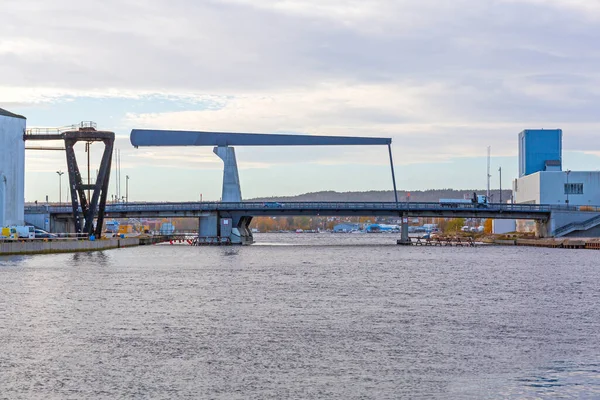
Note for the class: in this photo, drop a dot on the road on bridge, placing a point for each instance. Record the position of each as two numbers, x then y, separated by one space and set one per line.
412 209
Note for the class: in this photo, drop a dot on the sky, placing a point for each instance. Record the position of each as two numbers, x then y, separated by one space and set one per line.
443 79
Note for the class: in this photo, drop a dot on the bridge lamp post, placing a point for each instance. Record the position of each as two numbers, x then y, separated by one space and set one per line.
567 188
500 172
60 173
126 188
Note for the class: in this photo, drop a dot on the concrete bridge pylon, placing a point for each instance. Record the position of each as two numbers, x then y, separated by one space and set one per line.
232 191
236 227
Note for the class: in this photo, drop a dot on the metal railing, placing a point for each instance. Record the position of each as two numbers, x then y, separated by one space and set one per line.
244 206
59 129
577 226
51 237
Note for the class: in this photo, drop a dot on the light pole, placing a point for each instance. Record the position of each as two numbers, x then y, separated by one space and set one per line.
126 188
567 189
60 173
500 171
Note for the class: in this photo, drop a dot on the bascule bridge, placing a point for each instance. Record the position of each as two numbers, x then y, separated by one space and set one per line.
234 225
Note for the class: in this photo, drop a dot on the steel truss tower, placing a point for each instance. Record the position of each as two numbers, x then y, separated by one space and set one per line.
85 209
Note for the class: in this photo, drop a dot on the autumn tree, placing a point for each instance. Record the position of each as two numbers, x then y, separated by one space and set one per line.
487 226
302 223
454 225
366 220
264 224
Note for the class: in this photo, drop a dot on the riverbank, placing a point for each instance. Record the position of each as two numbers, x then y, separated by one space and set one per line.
575 243
63 246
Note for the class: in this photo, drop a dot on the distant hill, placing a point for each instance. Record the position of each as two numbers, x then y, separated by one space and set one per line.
433 195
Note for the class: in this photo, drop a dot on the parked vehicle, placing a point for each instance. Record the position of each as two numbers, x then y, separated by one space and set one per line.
8 233
42 234
25 231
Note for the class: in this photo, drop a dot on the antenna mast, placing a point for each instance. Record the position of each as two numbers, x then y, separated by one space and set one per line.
489 154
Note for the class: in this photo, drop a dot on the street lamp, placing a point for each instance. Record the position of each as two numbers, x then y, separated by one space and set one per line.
126 188
567 189
60 173
500 171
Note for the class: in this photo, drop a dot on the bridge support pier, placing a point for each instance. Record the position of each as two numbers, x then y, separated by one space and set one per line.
57 225
233 227
541 228
216 228
208 226
243 226
404 238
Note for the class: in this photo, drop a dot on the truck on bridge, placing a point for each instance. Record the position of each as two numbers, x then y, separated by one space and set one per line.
477 201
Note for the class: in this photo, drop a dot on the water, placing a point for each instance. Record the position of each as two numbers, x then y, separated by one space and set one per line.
301 316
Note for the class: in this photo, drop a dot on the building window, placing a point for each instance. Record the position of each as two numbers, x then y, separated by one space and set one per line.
573 188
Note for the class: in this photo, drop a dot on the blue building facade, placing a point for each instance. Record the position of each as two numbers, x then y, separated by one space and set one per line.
346 227
382 228
540 150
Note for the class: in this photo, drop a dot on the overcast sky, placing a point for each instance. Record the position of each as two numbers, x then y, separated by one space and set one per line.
444 79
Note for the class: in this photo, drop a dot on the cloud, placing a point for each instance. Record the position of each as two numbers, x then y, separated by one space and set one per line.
588 9
421 131
234 46
443 79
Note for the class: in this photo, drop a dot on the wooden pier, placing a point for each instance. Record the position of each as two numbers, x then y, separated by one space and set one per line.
561 243
440 241
190 238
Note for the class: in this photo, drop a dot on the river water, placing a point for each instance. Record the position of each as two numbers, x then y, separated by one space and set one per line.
305 316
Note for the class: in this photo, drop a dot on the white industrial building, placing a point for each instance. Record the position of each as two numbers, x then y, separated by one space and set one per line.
12 168
575 188
541 176
542 180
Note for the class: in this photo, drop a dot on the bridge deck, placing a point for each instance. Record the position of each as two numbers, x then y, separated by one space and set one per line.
196 209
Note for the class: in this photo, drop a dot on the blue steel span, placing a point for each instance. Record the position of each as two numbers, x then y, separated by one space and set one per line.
154 137
254 209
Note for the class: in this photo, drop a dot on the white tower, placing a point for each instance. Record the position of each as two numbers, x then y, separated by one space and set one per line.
12 168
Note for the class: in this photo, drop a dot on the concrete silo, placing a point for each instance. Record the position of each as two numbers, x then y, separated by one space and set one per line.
12 168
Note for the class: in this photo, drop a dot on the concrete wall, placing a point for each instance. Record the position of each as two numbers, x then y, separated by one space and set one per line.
63 246
2 199
62 225
12 170
500 226
207 226
553 188
548 187
527 189
562 218
41 221
525 225
590 233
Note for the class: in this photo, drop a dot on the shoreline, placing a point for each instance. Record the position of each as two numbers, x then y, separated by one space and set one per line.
11 248
565 243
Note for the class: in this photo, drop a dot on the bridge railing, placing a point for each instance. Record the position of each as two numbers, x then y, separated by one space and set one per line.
241 206
405 206
577 226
